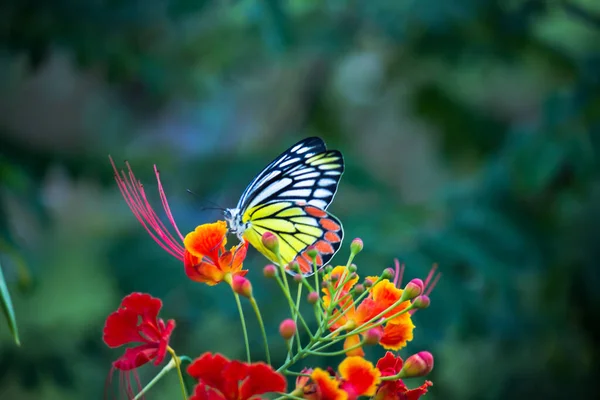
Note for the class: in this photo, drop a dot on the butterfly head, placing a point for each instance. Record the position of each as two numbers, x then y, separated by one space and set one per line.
234 221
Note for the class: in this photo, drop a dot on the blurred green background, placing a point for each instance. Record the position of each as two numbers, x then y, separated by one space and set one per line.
470 130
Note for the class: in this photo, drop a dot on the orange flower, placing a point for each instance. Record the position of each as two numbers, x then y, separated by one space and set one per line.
397 331
357 377
205 258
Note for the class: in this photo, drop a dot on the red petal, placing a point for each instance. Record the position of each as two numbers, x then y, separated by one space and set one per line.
204 392
415 394
261 379
121 328
233 374
164 342
209 369
144 305
135 357
389 364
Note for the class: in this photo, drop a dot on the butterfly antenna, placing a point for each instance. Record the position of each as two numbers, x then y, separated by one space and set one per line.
216 206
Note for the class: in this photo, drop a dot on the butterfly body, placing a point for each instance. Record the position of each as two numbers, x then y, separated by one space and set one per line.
289 198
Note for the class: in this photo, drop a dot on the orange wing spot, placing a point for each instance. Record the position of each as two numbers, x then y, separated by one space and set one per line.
332 237
305 266
329 224
315 212
324 247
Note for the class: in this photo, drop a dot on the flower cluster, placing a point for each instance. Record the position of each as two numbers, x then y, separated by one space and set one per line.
348 315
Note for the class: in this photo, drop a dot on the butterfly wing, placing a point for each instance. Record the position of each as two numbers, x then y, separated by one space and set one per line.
297 225
306 172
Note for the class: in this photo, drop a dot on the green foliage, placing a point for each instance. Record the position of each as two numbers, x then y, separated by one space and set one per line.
7 308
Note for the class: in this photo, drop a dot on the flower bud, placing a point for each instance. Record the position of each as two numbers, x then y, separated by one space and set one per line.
352 268
270 271
353 275
419 364
373 336
303 380
413 289
359 288
294 267
241 286
368 283
421 302
312 297
328 269
271 242
312 252
387 273
335 277
287 329
356 246
298 278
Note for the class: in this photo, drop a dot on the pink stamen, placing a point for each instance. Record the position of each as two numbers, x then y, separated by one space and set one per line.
135 197
429 283
399 272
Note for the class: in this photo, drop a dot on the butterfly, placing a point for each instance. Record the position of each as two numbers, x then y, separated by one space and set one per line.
289 198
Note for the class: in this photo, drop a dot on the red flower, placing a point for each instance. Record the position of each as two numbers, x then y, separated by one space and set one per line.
222 379
396 390
136 321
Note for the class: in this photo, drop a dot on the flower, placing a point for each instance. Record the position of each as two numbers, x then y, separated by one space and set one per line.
391 365
136 321
381 303
202 251
222 379
357 377
430 282
206 259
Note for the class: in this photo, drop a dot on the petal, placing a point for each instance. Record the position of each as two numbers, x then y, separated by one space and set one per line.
135 357
389 364
208 369
207 240
261 379
144 305
327 387
233 374
204 392
385 294
121 328
360 376
397 333
342 273
415 394
205 272
353 341
164 341
239 255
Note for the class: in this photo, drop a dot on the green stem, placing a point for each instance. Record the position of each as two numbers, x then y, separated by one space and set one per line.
162 373
336 353
298 298
178 365
286 293
262 328
239 306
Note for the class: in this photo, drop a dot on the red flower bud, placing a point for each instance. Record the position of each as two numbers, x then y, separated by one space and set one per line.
356 246
413 289
387 273
241 286
270 271
298 278
287 329
312 252
419 364
421 302
312 297
359 288
373 336
368 283
271 242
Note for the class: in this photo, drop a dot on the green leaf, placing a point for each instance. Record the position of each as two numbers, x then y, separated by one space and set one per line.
7 308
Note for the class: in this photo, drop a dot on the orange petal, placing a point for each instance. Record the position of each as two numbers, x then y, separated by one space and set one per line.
205 273
353 341
342 273
360 377
397 333
385 294
328 388
207 240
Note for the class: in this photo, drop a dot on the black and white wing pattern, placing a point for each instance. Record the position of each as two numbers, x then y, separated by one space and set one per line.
307 173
